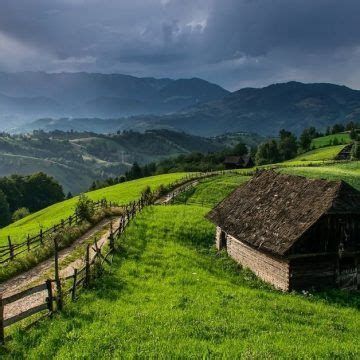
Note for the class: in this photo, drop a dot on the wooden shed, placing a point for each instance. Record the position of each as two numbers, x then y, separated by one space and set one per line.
236 162
293 232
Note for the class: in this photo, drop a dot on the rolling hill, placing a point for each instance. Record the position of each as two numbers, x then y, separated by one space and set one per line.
292 106
267 110
77 159
30 95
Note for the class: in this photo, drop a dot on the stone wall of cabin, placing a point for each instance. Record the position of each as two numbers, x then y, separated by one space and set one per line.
266 267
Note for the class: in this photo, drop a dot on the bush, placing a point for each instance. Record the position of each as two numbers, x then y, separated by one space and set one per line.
85 208
147 195
20 213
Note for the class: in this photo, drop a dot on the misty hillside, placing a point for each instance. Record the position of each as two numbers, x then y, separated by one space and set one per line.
267 110
292 105
31 95
75 159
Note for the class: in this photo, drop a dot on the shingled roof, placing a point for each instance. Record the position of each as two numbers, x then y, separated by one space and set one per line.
272 211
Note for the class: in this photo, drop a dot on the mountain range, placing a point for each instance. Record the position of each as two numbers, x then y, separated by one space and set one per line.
267 110
76 159
27 96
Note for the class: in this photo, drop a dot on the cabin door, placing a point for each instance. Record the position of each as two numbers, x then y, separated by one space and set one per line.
348 273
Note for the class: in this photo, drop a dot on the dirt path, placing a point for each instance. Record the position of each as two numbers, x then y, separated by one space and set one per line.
37 274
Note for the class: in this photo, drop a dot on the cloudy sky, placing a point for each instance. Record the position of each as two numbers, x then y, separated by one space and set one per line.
235 43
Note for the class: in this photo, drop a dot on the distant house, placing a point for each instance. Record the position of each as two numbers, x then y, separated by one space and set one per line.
236 162
293 232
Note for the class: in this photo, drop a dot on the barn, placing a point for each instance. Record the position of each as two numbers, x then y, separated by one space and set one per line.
237 162
293 232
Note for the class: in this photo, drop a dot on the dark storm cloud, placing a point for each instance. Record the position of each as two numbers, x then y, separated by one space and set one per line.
233 42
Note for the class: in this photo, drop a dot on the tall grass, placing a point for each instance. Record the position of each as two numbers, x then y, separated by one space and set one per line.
171 295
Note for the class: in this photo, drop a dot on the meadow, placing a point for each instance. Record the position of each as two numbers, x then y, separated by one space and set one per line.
121 193
341 138
211 191
348 171
318 155
169 294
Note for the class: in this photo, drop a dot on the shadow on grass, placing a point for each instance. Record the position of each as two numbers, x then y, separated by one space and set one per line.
343 298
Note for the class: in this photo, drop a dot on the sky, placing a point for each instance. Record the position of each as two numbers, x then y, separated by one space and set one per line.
235 43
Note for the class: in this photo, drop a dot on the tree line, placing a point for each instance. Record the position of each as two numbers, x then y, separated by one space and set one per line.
287 146
21 195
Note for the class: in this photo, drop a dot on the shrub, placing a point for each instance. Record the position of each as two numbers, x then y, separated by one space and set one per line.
147 195
85 208
20 213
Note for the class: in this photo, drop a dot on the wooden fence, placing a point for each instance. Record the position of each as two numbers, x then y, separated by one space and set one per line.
59 289
11 251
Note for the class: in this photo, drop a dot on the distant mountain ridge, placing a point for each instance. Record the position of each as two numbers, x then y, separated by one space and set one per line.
267 110
75 159
98 95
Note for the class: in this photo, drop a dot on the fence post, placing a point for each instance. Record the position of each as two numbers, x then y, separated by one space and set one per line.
11 248
70 220
111 237
57 277
87 266
28 242
73 292
49 299
2 335
41 236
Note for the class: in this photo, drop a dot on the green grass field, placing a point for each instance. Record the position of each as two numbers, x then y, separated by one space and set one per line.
120 193
170 295
342 138
211 191
349 172
320 155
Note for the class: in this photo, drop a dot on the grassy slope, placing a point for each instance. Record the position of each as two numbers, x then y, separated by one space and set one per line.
321 154
121 193
171 295
349 172
342 138
211 191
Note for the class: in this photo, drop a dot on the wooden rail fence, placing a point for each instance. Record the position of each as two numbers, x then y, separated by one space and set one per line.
58 289
11 251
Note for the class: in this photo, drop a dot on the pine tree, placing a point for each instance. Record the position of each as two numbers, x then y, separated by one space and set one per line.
5 215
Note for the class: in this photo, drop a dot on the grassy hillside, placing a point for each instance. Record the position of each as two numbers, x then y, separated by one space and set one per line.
121 193
341 138
349 172
319 154
77 159
211 191
170 295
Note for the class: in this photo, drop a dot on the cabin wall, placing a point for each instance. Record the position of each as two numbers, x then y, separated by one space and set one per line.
218 238
312 272
266 267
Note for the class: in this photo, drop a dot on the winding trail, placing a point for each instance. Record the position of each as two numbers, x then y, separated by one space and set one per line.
37 275
42 271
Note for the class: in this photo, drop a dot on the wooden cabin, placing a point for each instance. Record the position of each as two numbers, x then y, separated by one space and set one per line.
293 232
238 162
